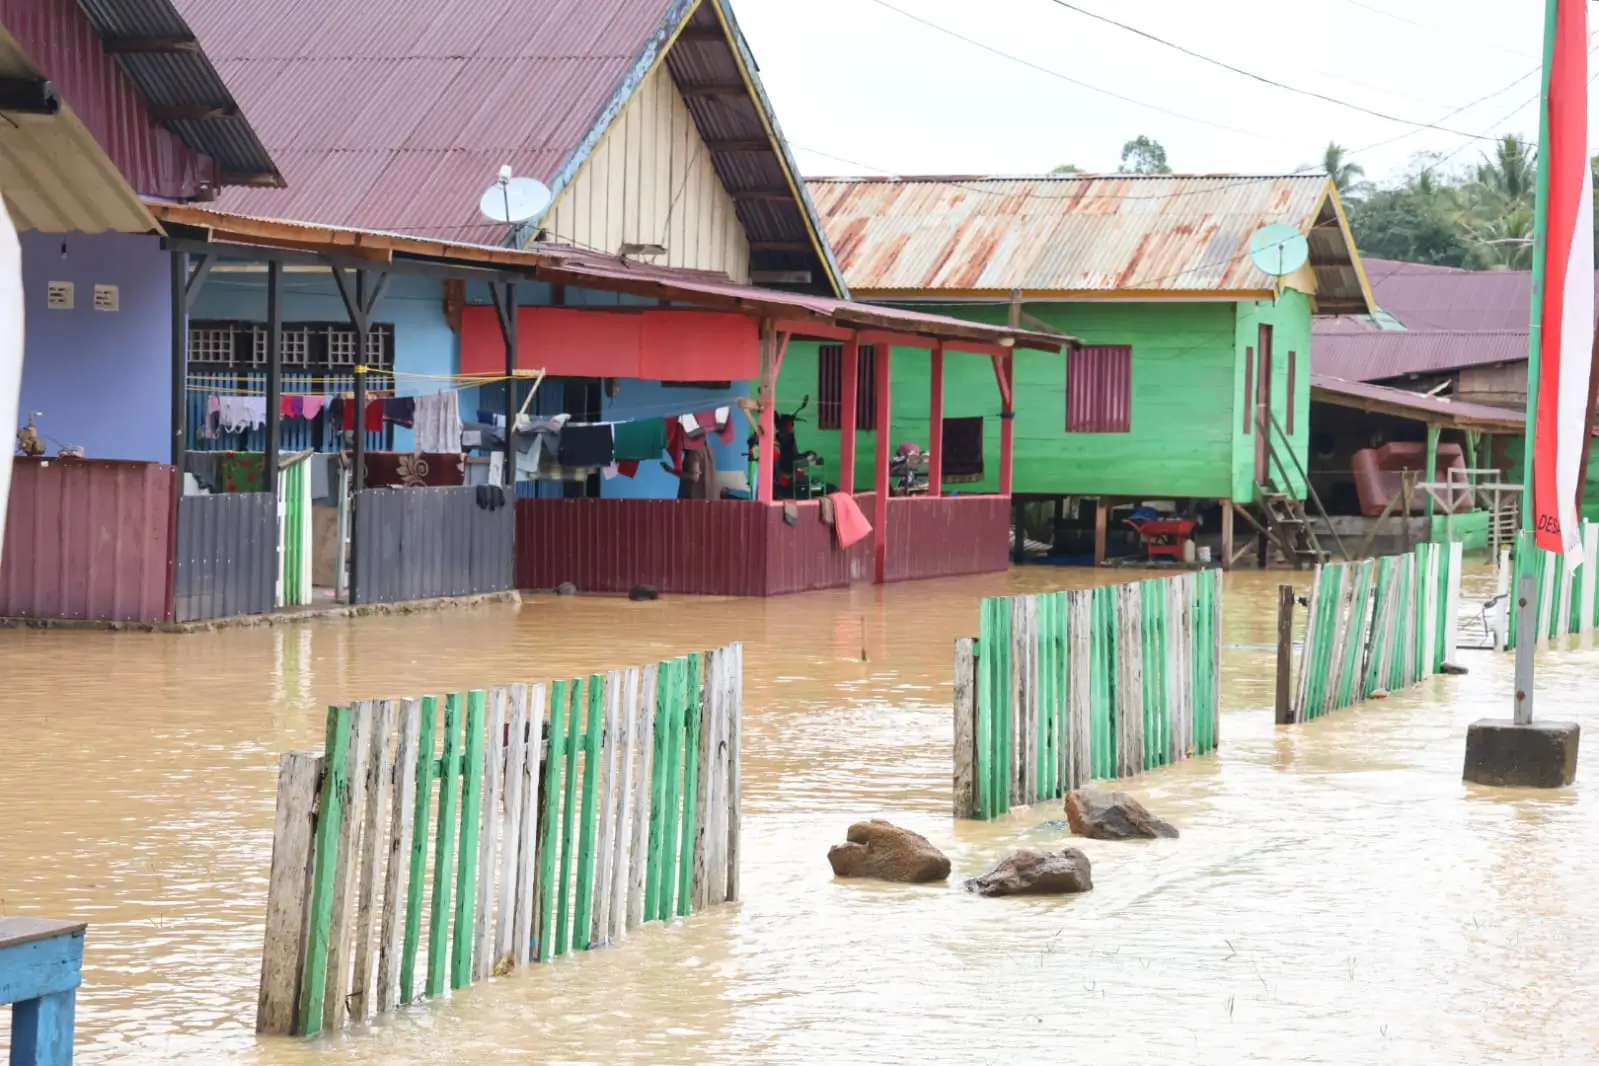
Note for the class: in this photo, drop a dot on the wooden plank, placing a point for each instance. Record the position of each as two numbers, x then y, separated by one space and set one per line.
1307 648
965 799
379 789
527 860
444 848
346 887
703 750
638 861
288 892
583 909
563 890
735 804
490 817
983 710
549 848
471 829
605 862
673 815
693 704
421 817
1079 676
626 696
401 820
715 828
515 791
1429 614
1020 746
660 772
1130 680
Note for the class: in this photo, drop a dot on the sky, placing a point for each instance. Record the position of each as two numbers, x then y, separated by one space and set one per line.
860 88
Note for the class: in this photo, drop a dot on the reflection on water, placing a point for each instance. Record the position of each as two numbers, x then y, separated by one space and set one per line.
1337 896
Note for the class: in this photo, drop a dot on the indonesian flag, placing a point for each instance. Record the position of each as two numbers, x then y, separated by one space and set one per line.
1566 342
10 350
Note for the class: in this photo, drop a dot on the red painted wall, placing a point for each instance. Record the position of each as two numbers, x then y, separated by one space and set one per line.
66 48
579 342
89 539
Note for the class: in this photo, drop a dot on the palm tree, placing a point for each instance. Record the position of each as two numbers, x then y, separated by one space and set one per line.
1511 174
1347 176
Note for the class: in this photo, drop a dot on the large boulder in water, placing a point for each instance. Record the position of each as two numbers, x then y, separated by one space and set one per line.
888 853
1036 873
1113 816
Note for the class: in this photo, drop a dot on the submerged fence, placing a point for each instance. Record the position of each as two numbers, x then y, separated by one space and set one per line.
1374 625
1065 687
408 859
1565 596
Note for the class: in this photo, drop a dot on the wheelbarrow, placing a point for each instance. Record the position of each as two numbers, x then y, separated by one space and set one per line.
1164 537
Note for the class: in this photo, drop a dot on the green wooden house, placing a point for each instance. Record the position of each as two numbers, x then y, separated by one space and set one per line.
1192 380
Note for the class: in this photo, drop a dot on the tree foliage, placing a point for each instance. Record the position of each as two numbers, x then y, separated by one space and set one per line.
1144 155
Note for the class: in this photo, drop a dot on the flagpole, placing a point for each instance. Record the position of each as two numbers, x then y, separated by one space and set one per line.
1526 586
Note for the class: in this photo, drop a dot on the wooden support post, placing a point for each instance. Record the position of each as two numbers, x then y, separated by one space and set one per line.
848 413
274 380
1432 472
1007 427
1101 528
505 307
885 445
965 795
935 426
1227 534
735 802
766 463
1285 654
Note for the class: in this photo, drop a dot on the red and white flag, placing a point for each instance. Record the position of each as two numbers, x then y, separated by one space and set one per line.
1566 344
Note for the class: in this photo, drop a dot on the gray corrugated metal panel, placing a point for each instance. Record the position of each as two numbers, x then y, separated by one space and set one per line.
227 556
1378 355
178 78
1062 234
420 544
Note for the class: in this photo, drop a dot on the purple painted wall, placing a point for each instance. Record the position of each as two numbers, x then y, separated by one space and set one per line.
102 378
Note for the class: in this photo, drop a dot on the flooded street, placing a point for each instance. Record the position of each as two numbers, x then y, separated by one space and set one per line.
1338 895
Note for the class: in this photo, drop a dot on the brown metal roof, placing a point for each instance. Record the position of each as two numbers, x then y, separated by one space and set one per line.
1426 297
1431 409
1378 356
1089 235
822 314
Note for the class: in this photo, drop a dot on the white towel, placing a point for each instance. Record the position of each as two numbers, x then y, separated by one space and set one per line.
438 423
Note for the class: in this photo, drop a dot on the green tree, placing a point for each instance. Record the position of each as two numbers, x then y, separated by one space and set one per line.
1347 176
1510 175
1144 155
1067 168
1411 223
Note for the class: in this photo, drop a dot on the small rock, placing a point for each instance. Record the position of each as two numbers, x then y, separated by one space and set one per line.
1036 873
641 593
1054 825
888 853
1380 694
566 588
1454 669
1113 816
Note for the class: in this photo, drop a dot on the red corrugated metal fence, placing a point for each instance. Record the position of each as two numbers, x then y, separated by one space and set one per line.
89 539
947 535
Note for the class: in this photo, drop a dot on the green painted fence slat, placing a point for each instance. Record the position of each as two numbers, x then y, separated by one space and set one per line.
652 880
444 852
563 887
419 846
674 794
471 827
335 793
583 915
691 746
554 760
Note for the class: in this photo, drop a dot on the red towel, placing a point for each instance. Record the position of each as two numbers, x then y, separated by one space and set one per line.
849 524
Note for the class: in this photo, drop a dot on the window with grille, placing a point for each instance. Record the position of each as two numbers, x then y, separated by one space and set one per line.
314 347
830 388
1099 389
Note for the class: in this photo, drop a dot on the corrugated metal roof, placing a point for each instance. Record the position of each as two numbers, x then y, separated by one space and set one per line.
1088 234
1362 396
1378 356
174 78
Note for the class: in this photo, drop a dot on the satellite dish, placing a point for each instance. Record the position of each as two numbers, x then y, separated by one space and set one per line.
514 200
1279 249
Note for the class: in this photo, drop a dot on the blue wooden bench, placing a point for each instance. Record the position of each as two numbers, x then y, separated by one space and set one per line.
41 967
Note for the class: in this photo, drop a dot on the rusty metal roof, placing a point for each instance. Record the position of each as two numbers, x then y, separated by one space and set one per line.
1379 356
1082 235
1431 409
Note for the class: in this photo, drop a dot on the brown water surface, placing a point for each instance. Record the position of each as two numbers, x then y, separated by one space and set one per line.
1337 895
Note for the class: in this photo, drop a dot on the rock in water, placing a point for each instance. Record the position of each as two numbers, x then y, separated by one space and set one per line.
1113 816
566 588
1036 873
1453 668
888 853
643 593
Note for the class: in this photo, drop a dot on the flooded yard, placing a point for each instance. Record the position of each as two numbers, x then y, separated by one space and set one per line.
1338 895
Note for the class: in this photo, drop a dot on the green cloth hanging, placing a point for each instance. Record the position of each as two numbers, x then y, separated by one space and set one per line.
243 472
642 439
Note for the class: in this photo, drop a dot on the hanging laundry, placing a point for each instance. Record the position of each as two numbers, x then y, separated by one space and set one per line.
401 410
678 441
213 413
289 406
242 471
239 414
490 497
437 419
849 524
410 470
627 467
643 438
311 406
585 444
206 468
373 421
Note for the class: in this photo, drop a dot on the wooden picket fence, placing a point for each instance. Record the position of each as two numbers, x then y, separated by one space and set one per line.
1566 598
1375 625
1066 687
408 859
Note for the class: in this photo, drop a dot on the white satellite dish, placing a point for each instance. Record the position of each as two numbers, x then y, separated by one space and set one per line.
514 200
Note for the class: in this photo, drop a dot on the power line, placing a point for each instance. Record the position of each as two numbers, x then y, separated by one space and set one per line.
1311 93
1067 78
1436 29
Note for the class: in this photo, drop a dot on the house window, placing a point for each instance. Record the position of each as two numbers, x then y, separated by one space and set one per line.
830 388
1099 389
315 347
963 449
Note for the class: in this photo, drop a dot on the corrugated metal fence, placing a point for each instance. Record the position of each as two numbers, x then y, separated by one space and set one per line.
227 555
89 539
420 544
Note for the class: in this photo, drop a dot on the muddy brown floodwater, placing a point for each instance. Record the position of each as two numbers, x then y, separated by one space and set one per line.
1337 895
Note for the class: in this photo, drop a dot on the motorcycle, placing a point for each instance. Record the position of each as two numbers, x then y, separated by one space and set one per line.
791 478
